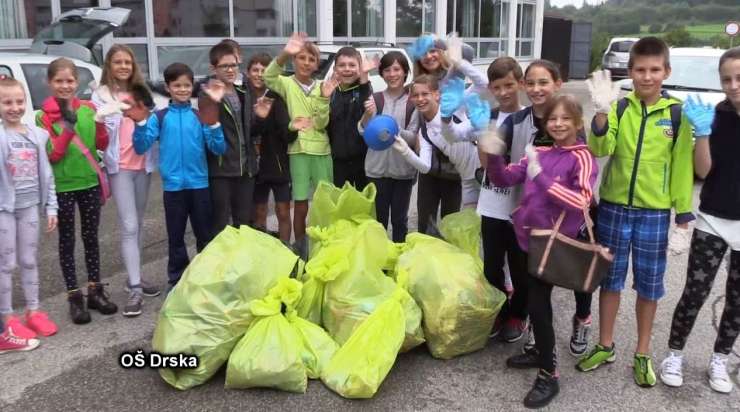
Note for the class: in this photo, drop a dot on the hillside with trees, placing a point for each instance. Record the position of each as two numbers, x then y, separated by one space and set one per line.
681 23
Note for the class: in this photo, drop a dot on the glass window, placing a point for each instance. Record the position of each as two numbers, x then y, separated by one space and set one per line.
142 58
367 18
248 51
414 17
490 50
136 24
494 21
466 17
340 18
67 5
23 19
525 21
524 48
307 16
263 18
36 80
191 18
194 56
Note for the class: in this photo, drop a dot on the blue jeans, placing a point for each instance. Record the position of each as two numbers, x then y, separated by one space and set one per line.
179 206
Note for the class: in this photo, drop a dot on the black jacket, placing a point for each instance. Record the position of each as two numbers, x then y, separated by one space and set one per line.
720 195
347 107
241 149
274 137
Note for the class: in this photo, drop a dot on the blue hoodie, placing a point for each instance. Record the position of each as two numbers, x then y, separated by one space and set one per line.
182 146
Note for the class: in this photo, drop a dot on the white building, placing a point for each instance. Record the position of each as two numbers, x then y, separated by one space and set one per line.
164 31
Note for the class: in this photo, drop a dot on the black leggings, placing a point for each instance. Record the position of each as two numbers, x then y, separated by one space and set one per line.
434 194
88 202
705 258
540 314
500 246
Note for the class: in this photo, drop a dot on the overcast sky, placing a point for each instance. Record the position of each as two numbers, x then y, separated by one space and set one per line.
577 3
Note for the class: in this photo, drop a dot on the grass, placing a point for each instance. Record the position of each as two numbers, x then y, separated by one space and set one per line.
699 31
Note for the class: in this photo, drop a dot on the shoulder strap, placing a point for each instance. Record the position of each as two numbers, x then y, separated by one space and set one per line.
379 102
160 116
621 108
675 121
409 111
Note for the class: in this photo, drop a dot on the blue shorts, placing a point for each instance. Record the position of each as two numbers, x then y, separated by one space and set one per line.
644 232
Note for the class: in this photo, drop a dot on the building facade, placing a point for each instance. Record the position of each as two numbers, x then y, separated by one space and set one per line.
164 31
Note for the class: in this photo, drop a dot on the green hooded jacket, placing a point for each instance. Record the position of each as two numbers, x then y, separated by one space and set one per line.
648 167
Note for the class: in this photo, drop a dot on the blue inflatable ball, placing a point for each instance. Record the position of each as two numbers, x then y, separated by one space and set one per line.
380 132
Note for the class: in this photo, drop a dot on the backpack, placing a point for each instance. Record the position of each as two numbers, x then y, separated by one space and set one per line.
162 112
675 116
380 102
441 166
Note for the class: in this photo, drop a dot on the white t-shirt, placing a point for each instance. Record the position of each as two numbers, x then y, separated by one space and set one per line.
493 201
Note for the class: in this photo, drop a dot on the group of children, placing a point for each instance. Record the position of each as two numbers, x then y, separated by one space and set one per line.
521 167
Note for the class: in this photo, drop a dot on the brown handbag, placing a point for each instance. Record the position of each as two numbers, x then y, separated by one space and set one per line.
566 262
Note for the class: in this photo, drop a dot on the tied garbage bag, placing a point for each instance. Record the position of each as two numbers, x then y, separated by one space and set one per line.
458 304
208 311
331 203
357 291
323 268
462 229
317 347
360 365
269 355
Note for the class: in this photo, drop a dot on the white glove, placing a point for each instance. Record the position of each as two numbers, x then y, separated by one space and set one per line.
110 109
603 91
401 146
454 49
679 241
490 142
533 164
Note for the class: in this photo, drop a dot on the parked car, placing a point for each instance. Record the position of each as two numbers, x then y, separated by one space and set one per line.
74 34
30 69
694 70
617 55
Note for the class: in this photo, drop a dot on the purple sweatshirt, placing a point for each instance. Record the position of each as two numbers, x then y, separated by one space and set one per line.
565 183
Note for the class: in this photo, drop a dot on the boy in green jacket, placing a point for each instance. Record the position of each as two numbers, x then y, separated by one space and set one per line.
650 172
308 106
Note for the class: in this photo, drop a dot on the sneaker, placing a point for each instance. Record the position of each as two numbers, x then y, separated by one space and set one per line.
498 324
598 356
39 321
643 369
719 380
77 310
529 360
19 329
579 336
514 329
529 345
545 389
671 369
133 304
11 343
99 299
147 289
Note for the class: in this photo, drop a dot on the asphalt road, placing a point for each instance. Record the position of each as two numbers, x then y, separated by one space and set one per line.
78 368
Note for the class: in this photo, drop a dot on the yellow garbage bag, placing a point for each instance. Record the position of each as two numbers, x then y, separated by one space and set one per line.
458 304
360 365
331 203
208 311
462 229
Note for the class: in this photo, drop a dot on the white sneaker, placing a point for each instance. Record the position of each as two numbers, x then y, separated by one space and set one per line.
719 380
671 369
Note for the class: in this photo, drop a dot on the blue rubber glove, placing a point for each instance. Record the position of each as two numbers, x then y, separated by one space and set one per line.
700 114
453 95
479 111
420 47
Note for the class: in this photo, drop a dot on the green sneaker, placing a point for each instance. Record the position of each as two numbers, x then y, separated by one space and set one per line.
644 373
598 356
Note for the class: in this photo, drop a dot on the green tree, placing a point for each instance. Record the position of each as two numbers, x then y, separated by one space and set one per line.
678 38
599 42
655 28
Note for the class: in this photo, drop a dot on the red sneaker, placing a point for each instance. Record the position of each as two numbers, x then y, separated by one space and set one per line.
39 321
19 329
12 343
